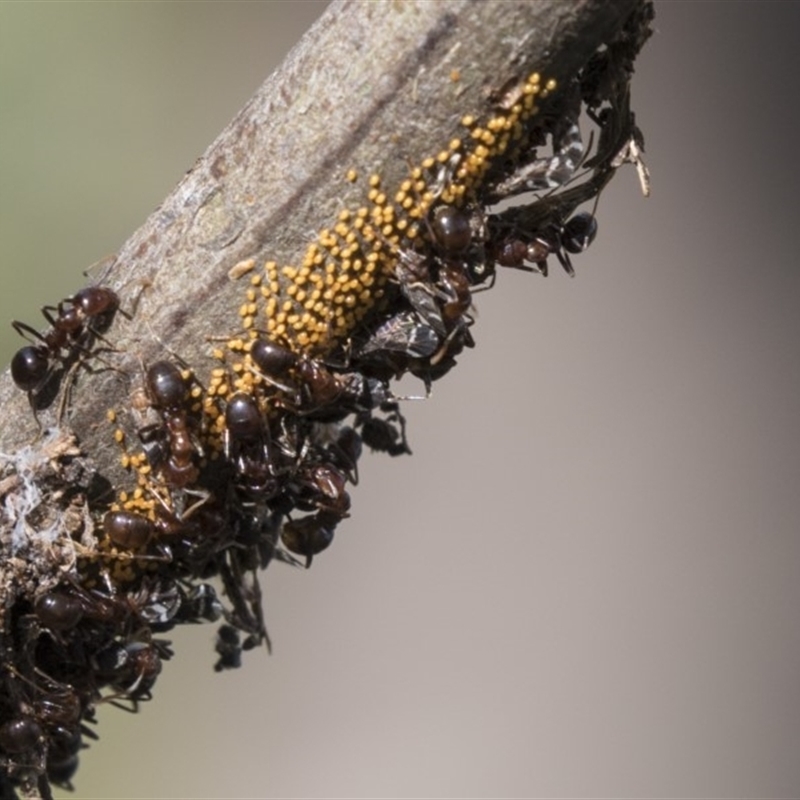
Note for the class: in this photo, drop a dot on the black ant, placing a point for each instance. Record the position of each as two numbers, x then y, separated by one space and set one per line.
45 729
517 250
323 394
309 535
76 322
170 446
249 447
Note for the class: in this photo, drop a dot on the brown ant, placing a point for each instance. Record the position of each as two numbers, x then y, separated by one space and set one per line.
574 236
77 320
309 535
170 445
249 448
74 325
323 393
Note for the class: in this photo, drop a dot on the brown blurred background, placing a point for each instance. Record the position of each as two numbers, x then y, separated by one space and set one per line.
586 581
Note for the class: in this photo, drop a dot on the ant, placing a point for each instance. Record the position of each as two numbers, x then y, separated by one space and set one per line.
323 394
435 283
381 435
175 538
340 446
132 667
249 447
45 728
322 486
309 535
76 322
170 445
518 250
229 648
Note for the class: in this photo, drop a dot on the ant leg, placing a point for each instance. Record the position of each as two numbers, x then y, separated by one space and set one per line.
26 331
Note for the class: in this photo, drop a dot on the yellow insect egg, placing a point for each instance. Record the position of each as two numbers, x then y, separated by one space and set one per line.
352 175
242 268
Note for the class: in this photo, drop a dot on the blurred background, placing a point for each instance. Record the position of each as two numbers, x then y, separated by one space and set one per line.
586 580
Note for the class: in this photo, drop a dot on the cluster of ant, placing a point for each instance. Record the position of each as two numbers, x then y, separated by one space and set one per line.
253 465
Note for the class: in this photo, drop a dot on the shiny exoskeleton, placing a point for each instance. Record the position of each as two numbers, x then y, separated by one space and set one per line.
309 535
171 447
249 447
573 237
74 323
316 390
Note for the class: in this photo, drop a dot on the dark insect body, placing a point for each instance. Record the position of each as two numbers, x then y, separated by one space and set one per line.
75 323
172 447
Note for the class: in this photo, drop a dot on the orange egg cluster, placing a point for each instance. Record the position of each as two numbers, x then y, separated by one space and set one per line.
344 271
